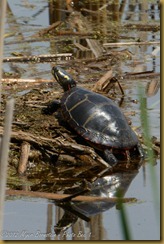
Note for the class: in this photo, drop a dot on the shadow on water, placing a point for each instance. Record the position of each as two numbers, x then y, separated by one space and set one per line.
84 36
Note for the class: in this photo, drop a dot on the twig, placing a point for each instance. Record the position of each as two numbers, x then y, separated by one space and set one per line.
63 196
70 197
118 44
141 75
46 30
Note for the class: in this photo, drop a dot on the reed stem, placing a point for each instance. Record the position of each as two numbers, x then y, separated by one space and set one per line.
2 24
4 156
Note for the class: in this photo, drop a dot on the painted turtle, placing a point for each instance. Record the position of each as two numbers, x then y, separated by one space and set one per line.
96 118
105 187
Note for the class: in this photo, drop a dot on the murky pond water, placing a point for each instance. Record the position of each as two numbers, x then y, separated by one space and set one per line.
125 22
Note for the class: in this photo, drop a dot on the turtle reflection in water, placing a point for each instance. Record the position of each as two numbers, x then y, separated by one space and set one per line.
96 118
107 186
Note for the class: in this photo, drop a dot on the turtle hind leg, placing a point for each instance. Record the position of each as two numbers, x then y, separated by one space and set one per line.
110 158
51 107
140 150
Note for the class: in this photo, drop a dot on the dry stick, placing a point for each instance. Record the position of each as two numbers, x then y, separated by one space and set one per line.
152 88
15 80
39 58
55 196
118 44
4 155
25 150
141 75
103 81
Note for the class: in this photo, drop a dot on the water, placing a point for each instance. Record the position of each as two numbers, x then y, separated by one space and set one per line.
34 219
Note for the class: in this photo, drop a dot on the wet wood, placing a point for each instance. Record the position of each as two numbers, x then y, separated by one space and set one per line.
63 196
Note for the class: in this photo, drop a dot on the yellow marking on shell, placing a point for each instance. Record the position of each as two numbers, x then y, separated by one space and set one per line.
76 105
90 118
95 114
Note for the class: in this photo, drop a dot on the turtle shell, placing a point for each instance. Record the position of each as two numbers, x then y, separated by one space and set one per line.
97 119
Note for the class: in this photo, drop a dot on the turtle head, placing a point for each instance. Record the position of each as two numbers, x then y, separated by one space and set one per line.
63 78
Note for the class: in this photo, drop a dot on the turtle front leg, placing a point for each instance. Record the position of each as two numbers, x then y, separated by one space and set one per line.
110 158
51 107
